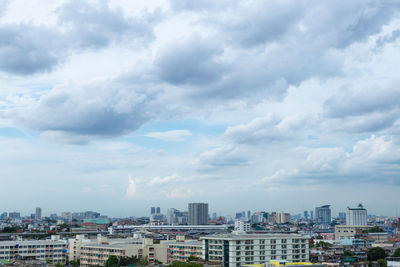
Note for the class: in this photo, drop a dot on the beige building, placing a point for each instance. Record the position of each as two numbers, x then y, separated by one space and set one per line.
281 217
97 253
347 231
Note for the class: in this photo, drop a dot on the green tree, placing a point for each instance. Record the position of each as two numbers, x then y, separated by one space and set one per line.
375 254
375 229
75 263
58 264
396 253
192 258
112 261
382 263
184 264
348 253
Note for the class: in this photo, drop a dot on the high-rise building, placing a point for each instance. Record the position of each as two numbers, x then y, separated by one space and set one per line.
282 217
342 216
306 214
311 215
356 216
248 215
153 210
38 214
158 210
14 215
198 213
323 215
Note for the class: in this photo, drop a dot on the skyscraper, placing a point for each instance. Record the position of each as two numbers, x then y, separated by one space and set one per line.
198 213
158 210
323 215
38 214
153 210
356 216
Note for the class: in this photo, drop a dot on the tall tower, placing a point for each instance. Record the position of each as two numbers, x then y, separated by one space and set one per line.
323 215
38 214
198 213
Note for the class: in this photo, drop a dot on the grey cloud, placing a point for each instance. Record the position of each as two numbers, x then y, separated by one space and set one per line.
266 130
3 6
30 49
222 157
194 61
97 25
92 110
368 98
196 6
27 50
394 35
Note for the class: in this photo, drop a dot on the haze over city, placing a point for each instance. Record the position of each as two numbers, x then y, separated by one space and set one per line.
117 106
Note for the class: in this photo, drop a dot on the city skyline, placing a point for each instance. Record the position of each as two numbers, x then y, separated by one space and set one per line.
271 105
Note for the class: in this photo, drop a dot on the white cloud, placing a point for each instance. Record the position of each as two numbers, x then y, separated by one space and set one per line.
131 189
163 180
170 136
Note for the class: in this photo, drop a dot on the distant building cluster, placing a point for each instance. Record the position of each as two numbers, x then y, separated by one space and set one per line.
258 238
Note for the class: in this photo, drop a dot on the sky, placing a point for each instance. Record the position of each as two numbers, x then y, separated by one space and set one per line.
117 106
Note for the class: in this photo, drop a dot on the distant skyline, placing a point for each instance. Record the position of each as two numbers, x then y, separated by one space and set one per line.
117 106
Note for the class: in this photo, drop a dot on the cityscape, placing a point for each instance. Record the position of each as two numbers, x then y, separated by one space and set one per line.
199 133
195 235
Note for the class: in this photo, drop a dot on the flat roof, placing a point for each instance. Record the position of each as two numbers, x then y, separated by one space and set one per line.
253 236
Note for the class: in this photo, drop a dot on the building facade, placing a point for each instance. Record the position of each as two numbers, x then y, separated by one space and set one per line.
181 250
38 214
239 249
323 215
198 213
52 250
356 216
242 226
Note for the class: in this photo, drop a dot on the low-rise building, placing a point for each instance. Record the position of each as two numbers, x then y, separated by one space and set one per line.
347 231
52 250
181 249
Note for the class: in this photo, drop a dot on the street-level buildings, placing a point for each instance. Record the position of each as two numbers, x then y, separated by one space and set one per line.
239 249
348 231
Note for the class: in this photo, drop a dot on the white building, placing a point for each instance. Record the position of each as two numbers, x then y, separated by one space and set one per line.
239 249
356 216
54 250
242 226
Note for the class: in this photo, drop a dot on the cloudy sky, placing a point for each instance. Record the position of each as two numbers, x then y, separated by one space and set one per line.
117 106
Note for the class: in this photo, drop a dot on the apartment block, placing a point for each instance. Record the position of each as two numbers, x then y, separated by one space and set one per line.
239 249
53 250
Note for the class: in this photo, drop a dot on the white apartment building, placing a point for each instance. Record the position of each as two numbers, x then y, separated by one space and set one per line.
356 216
239 249
242 226
53 250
